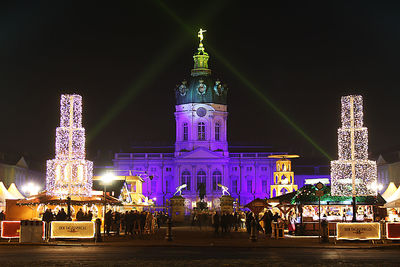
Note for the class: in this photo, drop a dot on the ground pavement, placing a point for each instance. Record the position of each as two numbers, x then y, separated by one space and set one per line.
205 237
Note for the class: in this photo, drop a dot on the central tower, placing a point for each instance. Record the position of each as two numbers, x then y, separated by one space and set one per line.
201 108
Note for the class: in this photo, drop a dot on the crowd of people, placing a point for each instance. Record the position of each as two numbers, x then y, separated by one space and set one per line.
133 222
226 222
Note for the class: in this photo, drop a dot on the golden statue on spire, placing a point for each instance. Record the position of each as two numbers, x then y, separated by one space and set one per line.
200 35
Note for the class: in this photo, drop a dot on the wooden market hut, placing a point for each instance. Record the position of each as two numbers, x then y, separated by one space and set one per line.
32 208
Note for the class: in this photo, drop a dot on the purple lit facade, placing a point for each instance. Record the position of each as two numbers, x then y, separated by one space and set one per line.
201 149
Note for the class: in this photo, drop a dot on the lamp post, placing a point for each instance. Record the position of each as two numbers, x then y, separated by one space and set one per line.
106 179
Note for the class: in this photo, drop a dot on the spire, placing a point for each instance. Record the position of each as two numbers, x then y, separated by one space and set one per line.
201 58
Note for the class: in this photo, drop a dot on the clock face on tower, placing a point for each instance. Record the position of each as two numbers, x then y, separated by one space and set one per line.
201 112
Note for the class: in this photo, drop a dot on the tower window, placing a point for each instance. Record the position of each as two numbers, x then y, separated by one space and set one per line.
217 179
201 131
217 131
186 177
185 132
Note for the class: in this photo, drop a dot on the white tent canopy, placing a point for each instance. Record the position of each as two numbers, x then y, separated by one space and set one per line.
4 194
394 196
390 190
13 190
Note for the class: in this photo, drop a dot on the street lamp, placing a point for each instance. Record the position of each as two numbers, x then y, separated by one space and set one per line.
106 179
31 189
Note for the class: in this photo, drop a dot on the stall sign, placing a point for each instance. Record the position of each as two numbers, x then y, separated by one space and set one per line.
10 229
393 230
67 229
358 231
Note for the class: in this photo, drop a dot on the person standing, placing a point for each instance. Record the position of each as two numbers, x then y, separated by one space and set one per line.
47 218
291 223
216 222
117 222
2 216
108 221
267 218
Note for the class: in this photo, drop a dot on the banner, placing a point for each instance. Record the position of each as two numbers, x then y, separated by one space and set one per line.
393 230
10 229
358 231
67 229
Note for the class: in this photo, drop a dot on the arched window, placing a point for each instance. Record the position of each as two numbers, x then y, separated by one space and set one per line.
201 131
185 132
217 179
217 131
201 178
185 179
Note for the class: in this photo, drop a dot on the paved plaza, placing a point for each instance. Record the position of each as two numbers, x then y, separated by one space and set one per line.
195 247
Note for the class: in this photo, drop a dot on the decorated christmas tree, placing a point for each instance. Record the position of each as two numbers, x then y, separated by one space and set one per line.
69 174
353 174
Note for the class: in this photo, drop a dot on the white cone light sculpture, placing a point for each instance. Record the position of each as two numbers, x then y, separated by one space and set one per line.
353 174
69 174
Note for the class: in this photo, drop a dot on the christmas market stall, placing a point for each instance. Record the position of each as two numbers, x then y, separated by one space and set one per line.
334 208
32 208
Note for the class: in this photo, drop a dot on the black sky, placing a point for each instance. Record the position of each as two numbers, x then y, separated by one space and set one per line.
302 55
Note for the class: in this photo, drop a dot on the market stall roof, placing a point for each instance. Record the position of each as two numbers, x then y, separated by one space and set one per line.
393 204
306 195
13 190
390 190
283 199
43 198
4 194
394 196
257 205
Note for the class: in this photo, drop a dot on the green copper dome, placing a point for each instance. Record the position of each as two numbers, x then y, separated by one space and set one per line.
201 87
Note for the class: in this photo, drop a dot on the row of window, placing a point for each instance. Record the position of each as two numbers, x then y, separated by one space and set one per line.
249 168
201 178
169 169
201 131
216 179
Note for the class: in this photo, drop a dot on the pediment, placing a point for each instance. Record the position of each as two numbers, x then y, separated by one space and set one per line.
201 153
381 160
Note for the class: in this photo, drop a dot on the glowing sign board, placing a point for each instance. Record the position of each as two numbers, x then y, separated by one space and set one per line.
10 229
393 230
67 229
358 231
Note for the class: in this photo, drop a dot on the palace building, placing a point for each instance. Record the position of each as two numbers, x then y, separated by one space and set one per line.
201 148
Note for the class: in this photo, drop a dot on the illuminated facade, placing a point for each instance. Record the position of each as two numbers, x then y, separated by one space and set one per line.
353 174
69 174
283 176
201 153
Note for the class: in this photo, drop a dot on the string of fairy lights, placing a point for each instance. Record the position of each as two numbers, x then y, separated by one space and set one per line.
69 174
353 174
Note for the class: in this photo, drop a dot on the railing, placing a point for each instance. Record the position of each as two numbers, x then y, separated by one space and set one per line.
122 156
253 155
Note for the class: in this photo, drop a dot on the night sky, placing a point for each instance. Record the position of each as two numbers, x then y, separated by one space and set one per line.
126 59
